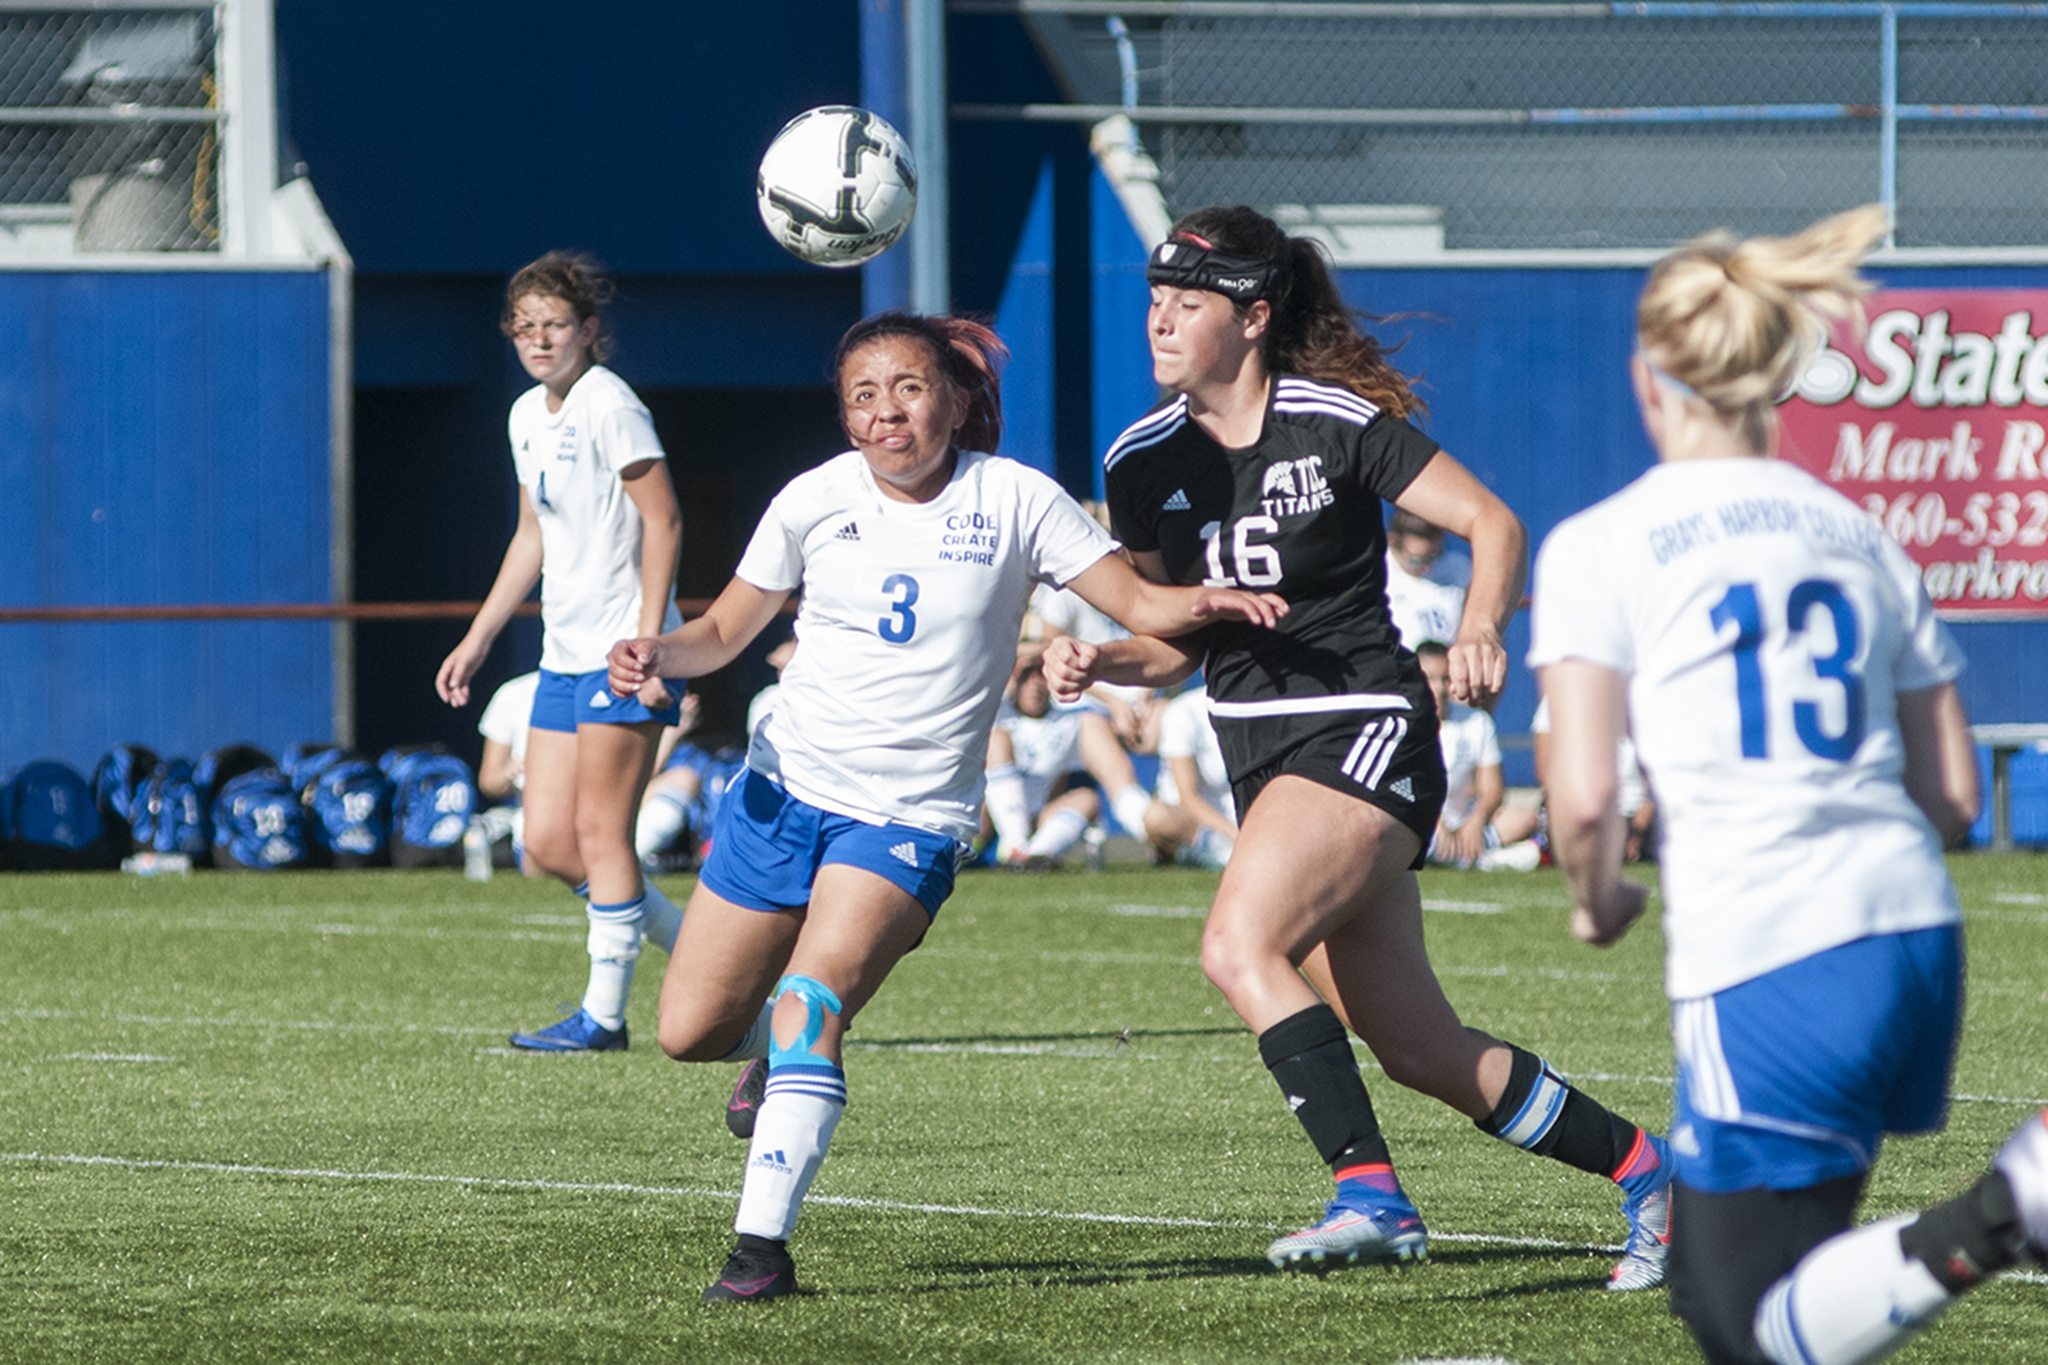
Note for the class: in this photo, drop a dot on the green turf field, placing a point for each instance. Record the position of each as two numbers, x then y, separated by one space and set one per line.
268 1117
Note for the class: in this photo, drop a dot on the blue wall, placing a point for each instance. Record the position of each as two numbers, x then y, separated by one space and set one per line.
166 443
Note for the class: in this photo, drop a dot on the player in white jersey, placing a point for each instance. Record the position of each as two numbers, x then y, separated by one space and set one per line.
1790 692
1193 818
1426 585
599 531
1036 816
915 554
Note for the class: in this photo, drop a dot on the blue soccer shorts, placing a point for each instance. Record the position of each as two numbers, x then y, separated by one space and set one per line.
1793 1078
564 701
767 847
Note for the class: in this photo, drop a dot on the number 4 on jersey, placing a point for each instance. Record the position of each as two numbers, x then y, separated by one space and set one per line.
1740 606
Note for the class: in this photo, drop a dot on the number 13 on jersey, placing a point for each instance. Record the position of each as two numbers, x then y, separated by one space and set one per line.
1742 607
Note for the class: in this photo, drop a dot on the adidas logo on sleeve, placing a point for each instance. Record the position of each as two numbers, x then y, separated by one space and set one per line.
850 531
1177 501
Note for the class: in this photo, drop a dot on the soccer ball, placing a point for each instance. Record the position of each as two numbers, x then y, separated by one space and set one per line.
836 186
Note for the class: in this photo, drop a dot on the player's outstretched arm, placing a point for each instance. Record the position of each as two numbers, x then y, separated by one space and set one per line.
1446 493
1072 666
697 647
1583 792
1145 607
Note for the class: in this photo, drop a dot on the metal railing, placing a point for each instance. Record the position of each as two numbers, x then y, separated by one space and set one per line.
1575 124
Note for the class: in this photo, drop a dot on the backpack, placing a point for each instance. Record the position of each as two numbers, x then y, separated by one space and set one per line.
169 815
49 819
259 823
218 767
118 781
433 798
303 762
350 806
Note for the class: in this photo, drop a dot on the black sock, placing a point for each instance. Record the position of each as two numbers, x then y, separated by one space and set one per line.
1973 1235
1561 1121
1309 1054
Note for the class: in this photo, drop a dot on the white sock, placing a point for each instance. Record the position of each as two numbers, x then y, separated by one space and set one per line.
1057 833
1007 810
661 819
791 1132
1853 1298
660 920
1130 806
614 944
757 1041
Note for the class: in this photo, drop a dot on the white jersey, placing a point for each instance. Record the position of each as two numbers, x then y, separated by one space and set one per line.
1766 628
1429 607
1185 732
907 631
1470 742
1045 748
762 706
1628 770
508 719
569 463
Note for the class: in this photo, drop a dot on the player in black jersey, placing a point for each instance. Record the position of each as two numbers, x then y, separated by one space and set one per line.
1266 467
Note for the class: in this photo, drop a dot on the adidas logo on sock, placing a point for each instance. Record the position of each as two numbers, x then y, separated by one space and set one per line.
1294 1102
1403 789
905 852
1177 502
775 1161
850 531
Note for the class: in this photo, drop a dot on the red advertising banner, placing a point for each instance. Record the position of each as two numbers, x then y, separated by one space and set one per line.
1937 426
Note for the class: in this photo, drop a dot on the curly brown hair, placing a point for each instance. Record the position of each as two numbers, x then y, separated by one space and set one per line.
574 277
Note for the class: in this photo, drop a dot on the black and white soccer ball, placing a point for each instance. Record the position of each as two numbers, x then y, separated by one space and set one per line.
836 186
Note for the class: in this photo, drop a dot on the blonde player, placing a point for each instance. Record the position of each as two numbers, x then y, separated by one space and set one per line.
915 552
1791 694
599 531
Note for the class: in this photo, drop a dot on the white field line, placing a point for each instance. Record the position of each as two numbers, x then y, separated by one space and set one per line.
1148 1220
1464 907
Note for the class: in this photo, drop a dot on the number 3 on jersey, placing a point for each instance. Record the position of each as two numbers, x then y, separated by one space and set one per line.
1740 606
1257 565
901 623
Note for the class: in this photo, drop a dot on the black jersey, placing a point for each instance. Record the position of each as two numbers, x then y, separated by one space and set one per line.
1297 513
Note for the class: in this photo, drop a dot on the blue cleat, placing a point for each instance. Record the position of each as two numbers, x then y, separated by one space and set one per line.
578 1033
1646 1201
1385 1228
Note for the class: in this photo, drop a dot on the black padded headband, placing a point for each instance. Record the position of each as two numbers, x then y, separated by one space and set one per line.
1185 261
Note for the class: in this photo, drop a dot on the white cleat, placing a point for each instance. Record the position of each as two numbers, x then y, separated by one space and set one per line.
1347 1234
2023 1161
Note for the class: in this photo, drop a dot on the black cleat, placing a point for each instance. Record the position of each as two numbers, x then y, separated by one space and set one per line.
757 1269
745 1103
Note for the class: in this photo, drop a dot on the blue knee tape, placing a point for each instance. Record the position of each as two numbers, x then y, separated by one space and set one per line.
817 998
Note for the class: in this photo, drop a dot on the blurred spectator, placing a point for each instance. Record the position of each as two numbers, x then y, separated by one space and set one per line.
1426 583
1193 819
1474 787
1036 814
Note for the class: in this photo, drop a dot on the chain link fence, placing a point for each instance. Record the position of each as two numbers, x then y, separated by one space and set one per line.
109 128
1578 125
